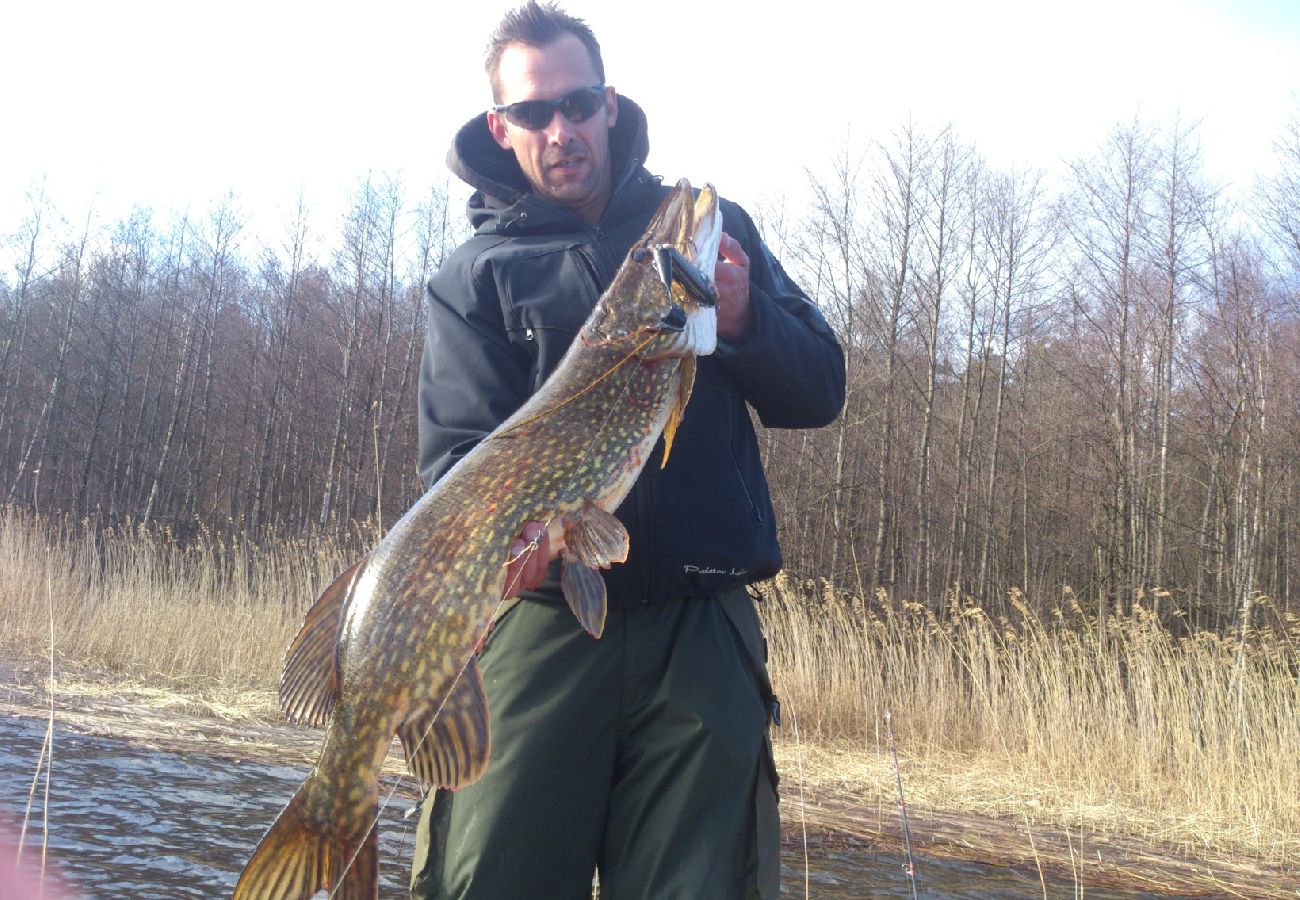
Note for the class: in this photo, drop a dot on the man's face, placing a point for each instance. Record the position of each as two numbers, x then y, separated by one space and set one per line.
564 162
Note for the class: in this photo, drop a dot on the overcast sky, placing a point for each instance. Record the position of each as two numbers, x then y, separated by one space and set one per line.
172 104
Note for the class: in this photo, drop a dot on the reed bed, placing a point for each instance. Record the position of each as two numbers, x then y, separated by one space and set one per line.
213 615
1191 742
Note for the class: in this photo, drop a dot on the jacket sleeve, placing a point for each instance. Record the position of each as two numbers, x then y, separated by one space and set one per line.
791 367
471 378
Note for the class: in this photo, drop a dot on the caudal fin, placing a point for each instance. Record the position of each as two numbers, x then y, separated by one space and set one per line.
296 859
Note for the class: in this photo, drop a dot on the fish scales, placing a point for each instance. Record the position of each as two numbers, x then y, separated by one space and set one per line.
388 648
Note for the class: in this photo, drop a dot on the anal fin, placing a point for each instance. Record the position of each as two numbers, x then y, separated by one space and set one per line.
448 746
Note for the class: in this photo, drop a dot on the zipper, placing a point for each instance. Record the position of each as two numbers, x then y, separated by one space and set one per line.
592 269
735 464
642 503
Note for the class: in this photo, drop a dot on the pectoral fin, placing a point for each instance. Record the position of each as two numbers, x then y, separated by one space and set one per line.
684 388
595 537
593 540
449 746
309 685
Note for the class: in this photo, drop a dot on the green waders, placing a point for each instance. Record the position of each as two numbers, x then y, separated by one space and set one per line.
643 754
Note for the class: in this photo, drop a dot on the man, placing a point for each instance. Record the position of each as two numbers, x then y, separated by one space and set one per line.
644 754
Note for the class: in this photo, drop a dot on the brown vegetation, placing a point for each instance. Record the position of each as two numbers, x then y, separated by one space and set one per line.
1191 745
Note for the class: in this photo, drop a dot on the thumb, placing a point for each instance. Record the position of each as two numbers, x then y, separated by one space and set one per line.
732 252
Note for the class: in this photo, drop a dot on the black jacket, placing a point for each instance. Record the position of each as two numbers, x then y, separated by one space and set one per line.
504 307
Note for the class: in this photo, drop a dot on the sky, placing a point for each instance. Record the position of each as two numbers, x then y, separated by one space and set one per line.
171 105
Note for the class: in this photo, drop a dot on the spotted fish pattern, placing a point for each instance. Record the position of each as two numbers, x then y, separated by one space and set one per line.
388 647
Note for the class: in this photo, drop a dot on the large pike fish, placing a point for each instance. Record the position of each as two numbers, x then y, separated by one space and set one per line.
388 648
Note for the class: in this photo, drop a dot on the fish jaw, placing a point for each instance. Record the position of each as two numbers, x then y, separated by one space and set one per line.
706 241
701 335
656 315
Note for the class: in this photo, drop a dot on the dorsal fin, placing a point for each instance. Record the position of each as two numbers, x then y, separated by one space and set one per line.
449 747
309 685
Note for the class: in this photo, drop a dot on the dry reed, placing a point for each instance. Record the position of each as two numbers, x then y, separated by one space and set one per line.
1193 743
213 615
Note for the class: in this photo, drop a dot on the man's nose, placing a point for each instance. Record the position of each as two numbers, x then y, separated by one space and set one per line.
560 129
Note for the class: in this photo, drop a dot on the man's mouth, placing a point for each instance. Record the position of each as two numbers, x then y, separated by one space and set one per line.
566 164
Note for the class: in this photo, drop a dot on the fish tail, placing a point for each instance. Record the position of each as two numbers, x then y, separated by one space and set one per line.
299 857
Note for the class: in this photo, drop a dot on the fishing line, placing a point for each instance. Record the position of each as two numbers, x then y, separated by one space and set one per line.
508 594
586 390
902 806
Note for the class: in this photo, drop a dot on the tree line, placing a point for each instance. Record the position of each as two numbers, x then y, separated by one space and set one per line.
182 372
1085 386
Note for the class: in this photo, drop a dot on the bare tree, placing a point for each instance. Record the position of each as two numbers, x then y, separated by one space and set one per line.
1109 220
356 264
27 243
901 208
940 239
70 285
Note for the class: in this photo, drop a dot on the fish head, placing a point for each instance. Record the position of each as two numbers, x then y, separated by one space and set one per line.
662 301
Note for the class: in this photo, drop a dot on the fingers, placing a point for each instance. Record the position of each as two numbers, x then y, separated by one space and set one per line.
731 276
529 556
731 252
532 533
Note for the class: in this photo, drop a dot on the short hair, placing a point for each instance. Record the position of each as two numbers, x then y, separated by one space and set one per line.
537 25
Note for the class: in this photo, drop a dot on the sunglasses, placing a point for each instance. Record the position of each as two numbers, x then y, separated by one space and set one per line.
534 115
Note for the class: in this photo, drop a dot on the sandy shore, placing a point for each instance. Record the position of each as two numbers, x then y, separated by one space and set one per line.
824 799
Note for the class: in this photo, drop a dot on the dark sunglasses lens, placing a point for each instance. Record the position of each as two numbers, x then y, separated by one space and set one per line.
580 106
531 114
535 115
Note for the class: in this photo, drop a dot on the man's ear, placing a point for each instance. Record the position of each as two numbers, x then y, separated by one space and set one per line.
611 105
497 125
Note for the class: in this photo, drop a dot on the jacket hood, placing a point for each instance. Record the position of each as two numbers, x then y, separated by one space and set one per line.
498 182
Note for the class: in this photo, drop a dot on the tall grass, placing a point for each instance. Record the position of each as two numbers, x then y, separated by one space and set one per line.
215 613
1192 740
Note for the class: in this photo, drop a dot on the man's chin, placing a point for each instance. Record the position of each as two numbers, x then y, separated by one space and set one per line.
569 193
569 180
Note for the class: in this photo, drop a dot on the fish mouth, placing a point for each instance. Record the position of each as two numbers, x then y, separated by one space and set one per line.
705 233
692 226
663 296
683 243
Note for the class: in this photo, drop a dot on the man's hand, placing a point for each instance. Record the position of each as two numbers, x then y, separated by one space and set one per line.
735 318
527 566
